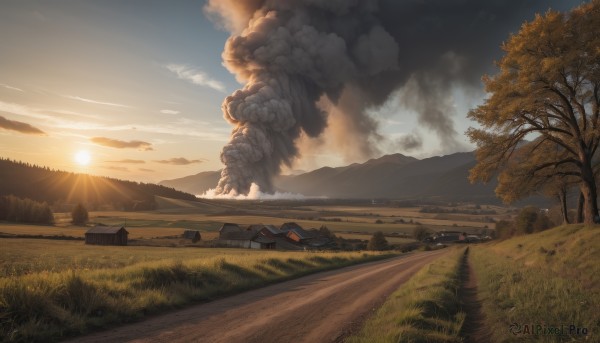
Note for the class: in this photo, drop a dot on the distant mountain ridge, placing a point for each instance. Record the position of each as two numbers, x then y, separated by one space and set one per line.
394 176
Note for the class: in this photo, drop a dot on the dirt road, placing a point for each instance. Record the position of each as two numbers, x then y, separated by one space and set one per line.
317 308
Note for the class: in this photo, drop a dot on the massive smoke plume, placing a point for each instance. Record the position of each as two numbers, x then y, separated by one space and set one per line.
303 59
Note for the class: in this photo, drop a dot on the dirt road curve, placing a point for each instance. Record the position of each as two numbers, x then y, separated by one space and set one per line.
316 308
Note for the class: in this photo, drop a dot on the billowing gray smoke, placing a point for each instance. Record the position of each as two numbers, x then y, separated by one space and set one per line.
302 58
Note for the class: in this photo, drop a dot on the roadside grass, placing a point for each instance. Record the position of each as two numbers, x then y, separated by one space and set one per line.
543 281
424 309
22 256
48 306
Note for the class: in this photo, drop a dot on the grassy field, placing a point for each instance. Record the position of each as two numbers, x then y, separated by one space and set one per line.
424 309
52 289
538 287
174 216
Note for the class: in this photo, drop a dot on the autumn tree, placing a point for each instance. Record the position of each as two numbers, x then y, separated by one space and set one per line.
548 89
521 177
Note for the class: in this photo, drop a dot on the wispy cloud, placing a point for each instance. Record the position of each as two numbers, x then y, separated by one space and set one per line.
116 168
179 161
130 161
115 143
195 76
145 170
11 87
18 126
169 112
91 101
180 127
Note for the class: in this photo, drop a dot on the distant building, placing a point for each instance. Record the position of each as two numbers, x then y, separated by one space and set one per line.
106 235
228 228
232 235
300 235
192 235
285 227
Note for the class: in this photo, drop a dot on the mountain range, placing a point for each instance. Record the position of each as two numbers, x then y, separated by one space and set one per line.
394 176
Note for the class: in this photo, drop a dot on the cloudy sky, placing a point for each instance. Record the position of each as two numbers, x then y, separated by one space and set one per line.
136 86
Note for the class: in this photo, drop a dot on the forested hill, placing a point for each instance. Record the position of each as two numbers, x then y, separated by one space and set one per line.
57 187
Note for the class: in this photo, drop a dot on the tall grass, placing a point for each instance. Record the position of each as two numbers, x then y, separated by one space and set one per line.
543 281
424 309
46 306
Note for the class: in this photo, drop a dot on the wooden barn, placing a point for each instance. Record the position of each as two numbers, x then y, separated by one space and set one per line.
106 235
192 235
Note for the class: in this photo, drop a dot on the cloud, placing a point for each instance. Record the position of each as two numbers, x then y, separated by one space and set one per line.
97 102
128 161
169 112
195 76
18 126
179 161
115 143
146 170
11 87
116 168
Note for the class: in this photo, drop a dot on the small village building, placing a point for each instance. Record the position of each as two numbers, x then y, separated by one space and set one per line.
232 235
300 235
285 227
448 237
271 231
106 235
265 242
228 228
192 235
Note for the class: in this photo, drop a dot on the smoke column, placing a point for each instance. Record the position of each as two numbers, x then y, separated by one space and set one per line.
300 59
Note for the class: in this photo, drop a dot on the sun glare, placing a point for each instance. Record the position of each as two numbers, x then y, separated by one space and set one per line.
83 158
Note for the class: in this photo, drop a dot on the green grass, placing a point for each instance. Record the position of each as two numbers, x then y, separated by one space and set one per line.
71 289
547 279
424 309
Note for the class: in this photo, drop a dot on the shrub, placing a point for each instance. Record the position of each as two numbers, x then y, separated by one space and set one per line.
79 215
377 242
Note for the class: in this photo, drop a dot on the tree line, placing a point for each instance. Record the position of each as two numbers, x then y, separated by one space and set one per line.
25 180
19 210
539 128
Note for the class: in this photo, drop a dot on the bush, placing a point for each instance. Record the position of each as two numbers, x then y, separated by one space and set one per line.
79 215
377 242
420 233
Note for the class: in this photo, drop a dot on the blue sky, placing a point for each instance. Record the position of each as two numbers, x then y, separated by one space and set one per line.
138 86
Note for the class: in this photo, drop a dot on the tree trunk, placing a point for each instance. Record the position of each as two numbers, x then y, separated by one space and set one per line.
588 188
562 197
580 203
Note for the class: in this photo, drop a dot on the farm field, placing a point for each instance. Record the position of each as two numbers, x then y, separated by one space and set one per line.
52 288
352 222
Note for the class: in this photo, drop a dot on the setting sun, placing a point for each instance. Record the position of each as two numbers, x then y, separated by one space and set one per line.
83 158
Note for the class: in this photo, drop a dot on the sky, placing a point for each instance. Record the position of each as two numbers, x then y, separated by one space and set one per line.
133 89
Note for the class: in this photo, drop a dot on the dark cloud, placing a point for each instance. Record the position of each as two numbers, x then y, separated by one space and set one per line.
13 125
179 161
303 60
129 161
409 142
115 143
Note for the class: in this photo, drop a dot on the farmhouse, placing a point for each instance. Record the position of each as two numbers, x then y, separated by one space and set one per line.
106 235
192 235
300 235
267 230
448 237
285 227
232 235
